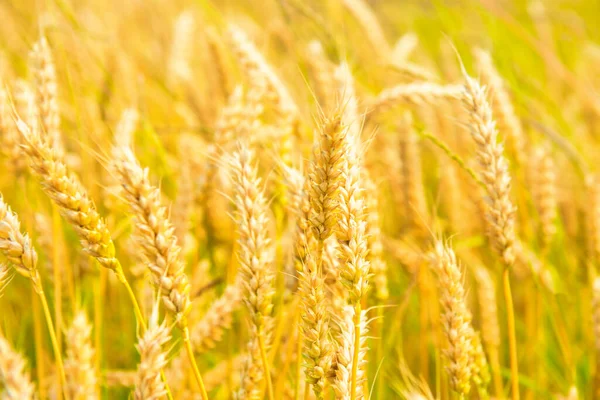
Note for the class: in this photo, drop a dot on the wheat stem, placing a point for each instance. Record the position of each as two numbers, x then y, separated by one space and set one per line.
263 356
190 353
54 341
357 316
512 339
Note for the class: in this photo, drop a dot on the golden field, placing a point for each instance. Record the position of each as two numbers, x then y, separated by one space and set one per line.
299 199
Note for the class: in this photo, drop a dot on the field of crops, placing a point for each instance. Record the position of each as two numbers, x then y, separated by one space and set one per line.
299 199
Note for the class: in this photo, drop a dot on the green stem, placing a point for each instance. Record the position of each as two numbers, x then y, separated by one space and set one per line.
57 354
190 353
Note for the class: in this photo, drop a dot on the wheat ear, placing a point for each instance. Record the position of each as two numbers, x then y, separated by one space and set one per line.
14 376
255 256
79 363
19 251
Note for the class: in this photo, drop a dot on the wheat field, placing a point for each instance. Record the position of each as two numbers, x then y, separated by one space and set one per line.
299 199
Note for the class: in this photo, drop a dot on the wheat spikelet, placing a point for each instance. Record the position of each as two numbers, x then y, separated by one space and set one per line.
14 377
325 176
209 330
345 355
456 319
318 351
155 234
494 170
508 122
17 247
351 229
153 358
252 375
79 363
69 195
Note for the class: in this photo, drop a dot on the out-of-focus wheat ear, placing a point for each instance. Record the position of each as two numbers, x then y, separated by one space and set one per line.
182 210
456 319
14 376
370 25
46 92
318 350
255 255
418 94
179 70
155 234
411 175
490 328
207 332
493 170
543 187
25 104
9 134
126 127
4 277
322 71
480 368
506 117
592 222
374 245
153 358
79 362
218 56
264 84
